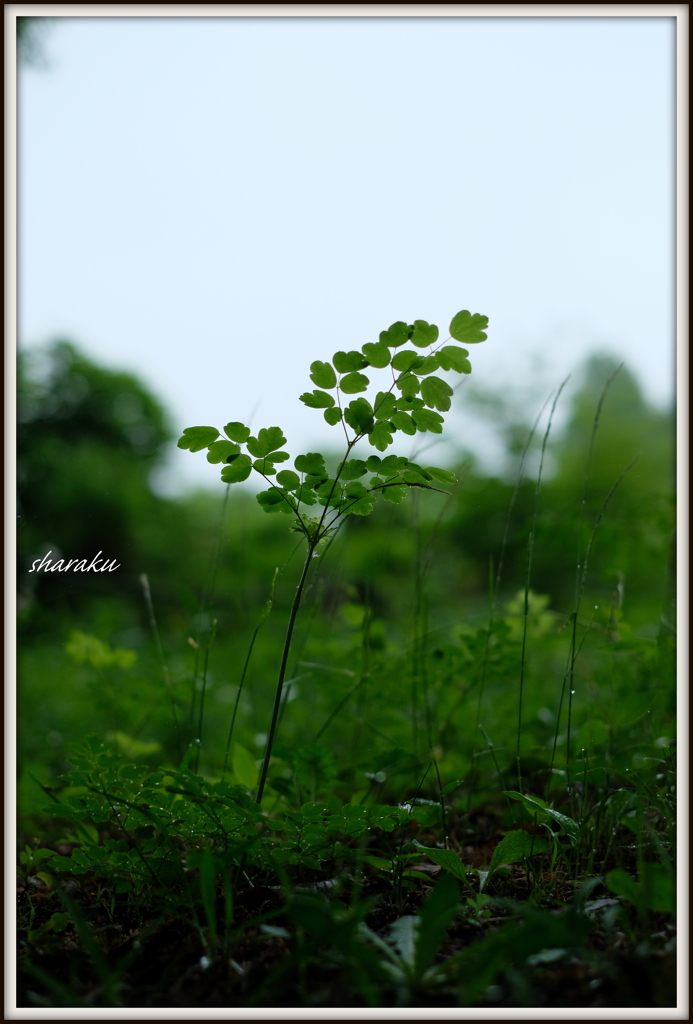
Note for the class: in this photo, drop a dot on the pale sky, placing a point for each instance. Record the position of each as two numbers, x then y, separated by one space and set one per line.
216 203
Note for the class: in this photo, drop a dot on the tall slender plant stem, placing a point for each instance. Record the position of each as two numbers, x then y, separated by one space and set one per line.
282 671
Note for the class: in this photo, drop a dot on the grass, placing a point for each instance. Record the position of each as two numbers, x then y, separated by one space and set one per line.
434 827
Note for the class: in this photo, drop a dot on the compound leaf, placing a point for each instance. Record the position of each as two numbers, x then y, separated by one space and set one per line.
403 361
352 470
313 463
385 405
436 393
237 470
424 334
396 334
220 451
237 432
345 362
317 400
288 479
197 438
323 375
453 358
403 421
377 354
353 383
332 415
359 415
408 385
381 435
425 419
467 328
267 440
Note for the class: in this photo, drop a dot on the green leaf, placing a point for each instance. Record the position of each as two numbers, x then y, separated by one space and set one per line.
267 440
426 365
436 393
279 457
237 471
380 436
534 804
467 328
384 406
333 415
409 404
446 859
408 385
244 767
317 400
359 415
392 464
352 470
273 500
394 493
403 421
404 361
287 478
654 891
312 463
345 362
450 786
364 503
237 432
424 334
515 846
323 375
621 883
329 493
220 451
453 358
353 383
377 354
197 438
425 419
443 476
435 916
396 334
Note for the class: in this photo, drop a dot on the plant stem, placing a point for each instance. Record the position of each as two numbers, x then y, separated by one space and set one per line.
282 670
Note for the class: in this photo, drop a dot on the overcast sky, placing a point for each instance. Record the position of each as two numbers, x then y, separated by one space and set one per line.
215 203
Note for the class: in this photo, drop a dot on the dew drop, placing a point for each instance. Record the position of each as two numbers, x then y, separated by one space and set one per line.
572 691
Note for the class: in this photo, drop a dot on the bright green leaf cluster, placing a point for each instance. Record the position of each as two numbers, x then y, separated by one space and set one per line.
413 402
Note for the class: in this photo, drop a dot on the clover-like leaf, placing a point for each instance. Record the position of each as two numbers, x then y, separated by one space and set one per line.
323 375
237 432
313 463
220 451
353 383
403 421
288 479
329 493
267 440
237 470
396 334
404 360
381 435
377 354
332 415
436 393
264 466
360 502
197 438
392 464
468 328
424 334
384 405
345 362
317 400
394 493
426 364
408 385
274 500
409 404
352 470
451 357
426 419
359 415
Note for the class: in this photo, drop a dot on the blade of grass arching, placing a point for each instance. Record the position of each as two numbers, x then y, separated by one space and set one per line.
530 549
264 615
144 581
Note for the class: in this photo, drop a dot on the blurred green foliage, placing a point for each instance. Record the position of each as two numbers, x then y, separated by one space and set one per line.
394 632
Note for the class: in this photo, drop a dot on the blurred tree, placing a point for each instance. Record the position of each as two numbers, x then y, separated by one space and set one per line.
88 439
30 35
